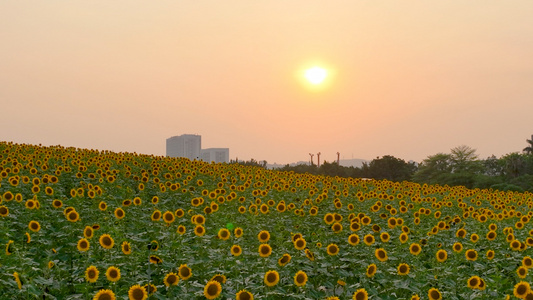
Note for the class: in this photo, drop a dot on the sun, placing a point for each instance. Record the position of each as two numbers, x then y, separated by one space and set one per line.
316 75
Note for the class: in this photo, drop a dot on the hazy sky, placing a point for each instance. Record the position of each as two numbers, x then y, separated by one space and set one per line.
407 78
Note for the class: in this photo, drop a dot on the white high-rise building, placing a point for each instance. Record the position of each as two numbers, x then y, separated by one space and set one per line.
185 145
218 155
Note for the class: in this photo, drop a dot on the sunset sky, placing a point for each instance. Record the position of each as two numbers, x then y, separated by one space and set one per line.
405 78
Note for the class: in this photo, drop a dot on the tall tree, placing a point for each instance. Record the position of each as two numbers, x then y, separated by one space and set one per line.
464 159
515 164
529 149
433 167
391 168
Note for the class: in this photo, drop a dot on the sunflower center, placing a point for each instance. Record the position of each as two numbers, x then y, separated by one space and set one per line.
104 297
138 294
212 290
300 278
360 296
171 279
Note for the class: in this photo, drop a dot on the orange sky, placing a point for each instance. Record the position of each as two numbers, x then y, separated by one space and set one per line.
411 79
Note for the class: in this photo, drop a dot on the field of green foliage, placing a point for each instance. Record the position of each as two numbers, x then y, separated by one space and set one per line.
88 224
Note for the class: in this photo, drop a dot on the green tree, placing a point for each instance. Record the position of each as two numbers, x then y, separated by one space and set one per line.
391 168
433 168
464 160
515 165
529 149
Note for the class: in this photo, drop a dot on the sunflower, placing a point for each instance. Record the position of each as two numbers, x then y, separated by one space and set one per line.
353 239
265 250
236 250
184 272
461 233
473 282
309 254
336 227
9 247
199 230
238 232
515 245
300 278
527 262
385 237
271 278
83 245
88 232
4 211
119 213
51 264
17 280
181 229
28 238
521 272
474 238
482 285
491 235
329 218
415 297
171 279
212 289
434 294
299 244
360 294
332 249
155 259
168 217
102 206
490 254
371 270
156 215
403 269
284 260
150 288
106 241
244 295
34 226
263 236
220 278
73 216
471 254
441 255
104 295
457 247
137 292
354 226
369 239
521 289
126 248
403 237
415 249
179 212
381 254
57 203
91 274
223 234
113 274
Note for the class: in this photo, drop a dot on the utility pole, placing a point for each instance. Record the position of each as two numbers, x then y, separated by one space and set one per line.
311 154
318 155
338 158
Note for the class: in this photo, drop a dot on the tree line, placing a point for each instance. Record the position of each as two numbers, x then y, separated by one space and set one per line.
461 166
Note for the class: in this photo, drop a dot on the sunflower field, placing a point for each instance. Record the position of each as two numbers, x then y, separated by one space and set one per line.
88 224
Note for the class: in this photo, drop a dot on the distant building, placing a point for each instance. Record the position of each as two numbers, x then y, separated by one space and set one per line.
185 145
218 155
